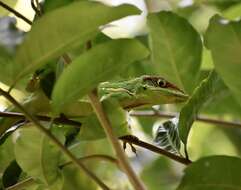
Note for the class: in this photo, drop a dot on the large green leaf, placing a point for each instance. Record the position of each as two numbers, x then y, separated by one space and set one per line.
176 49
99 64
36 155
215 172
223 38
64 28
202 95
50 5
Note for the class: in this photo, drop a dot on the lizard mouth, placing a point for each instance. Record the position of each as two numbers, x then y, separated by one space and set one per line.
172 93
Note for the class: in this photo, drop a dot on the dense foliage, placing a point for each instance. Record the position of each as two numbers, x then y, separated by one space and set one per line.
52 132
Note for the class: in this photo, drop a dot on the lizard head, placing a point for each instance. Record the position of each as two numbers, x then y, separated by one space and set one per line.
156 90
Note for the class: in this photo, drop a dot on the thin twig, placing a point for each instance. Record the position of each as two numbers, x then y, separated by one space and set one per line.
58 120
155 149
22 184
45 131
16 13
135 181
171 115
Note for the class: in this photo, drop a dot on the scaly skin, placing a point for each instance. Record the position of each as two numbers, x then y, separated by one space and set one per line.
142 91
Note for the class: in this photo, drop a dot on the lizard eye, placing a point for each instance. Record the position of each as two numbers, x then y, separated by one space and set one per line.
161 83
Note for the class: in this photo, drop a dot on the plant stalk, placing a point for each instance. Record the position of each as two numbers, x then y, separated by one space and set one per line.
135 181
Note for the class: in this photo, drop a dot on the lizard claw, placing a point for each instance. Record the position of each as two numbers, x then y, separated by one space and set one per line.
125 142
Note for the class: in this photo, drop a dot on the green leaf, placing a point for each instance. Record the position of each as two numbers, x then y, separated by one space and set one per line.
202 95
233 12
223 38
90 129
36 155
221 102
158 174
76 179
66 27
7 66
99 64
215 172
50 5
6 153
176 49
167 136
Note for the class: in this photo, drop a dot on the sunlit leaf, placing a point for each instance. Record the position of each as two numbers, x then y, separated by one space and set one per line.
176 49
97 65
216 173
53 34
223 39
202 95
36 155
233 12
167 135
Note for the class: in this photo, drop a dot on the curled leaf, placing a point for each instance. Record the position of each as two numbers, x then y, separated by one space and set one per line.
167 135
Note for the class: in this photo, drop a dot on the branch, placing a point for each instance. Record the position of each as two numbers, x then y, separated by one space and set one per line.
58 120
105 123
171 115
16 13
155 149
51 137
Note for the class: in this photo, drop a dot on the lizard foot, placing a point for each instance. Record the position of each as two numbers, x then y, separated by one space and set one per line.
127 140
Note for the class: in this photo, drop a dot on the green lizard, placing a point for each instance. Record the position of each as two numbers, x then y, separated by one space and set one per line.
142 91
138 92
